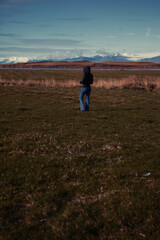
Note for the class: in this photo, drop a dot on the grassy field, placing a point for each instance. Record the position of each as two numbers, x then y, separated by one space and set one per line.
62 75
143 80
67 174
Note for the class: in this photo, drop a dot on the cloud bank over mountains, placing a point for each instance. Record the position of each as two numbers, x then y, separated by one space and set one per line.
116 57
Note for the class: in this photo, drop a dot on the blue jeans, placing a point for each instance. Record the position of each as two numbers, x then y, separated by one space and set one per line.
85 91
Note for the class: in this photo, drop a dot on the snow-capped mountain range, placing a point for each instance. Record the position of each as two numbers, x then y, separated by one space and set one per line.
99 59
153 59
112 58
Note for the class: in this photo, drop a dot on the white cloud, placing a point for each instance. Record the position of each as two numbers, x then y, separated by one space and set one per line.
102 52
130 34
126 54
148 32
15 59
157 36
110 36
50 42
138 56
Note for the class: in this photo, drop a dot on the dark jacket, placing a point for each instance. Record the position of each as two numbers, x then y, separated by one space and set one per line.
87 77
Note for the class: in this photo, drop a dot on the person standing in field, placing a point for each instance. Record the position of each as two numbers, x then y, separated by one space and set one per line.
87 80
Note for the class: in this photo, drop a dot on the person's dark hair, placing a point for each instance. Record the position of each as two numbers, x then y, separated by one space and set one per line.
87 69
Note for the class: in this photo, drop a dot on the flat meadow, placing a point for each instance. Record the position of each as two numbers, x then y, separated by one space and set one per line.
67 174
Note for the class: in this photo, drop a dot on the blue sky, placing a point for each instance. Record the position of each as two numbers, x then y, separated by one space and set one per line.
41 29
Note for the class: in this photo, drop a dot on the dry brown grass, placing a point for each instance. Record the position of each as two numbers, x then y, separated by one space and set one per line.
42 83
132 82
29 82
